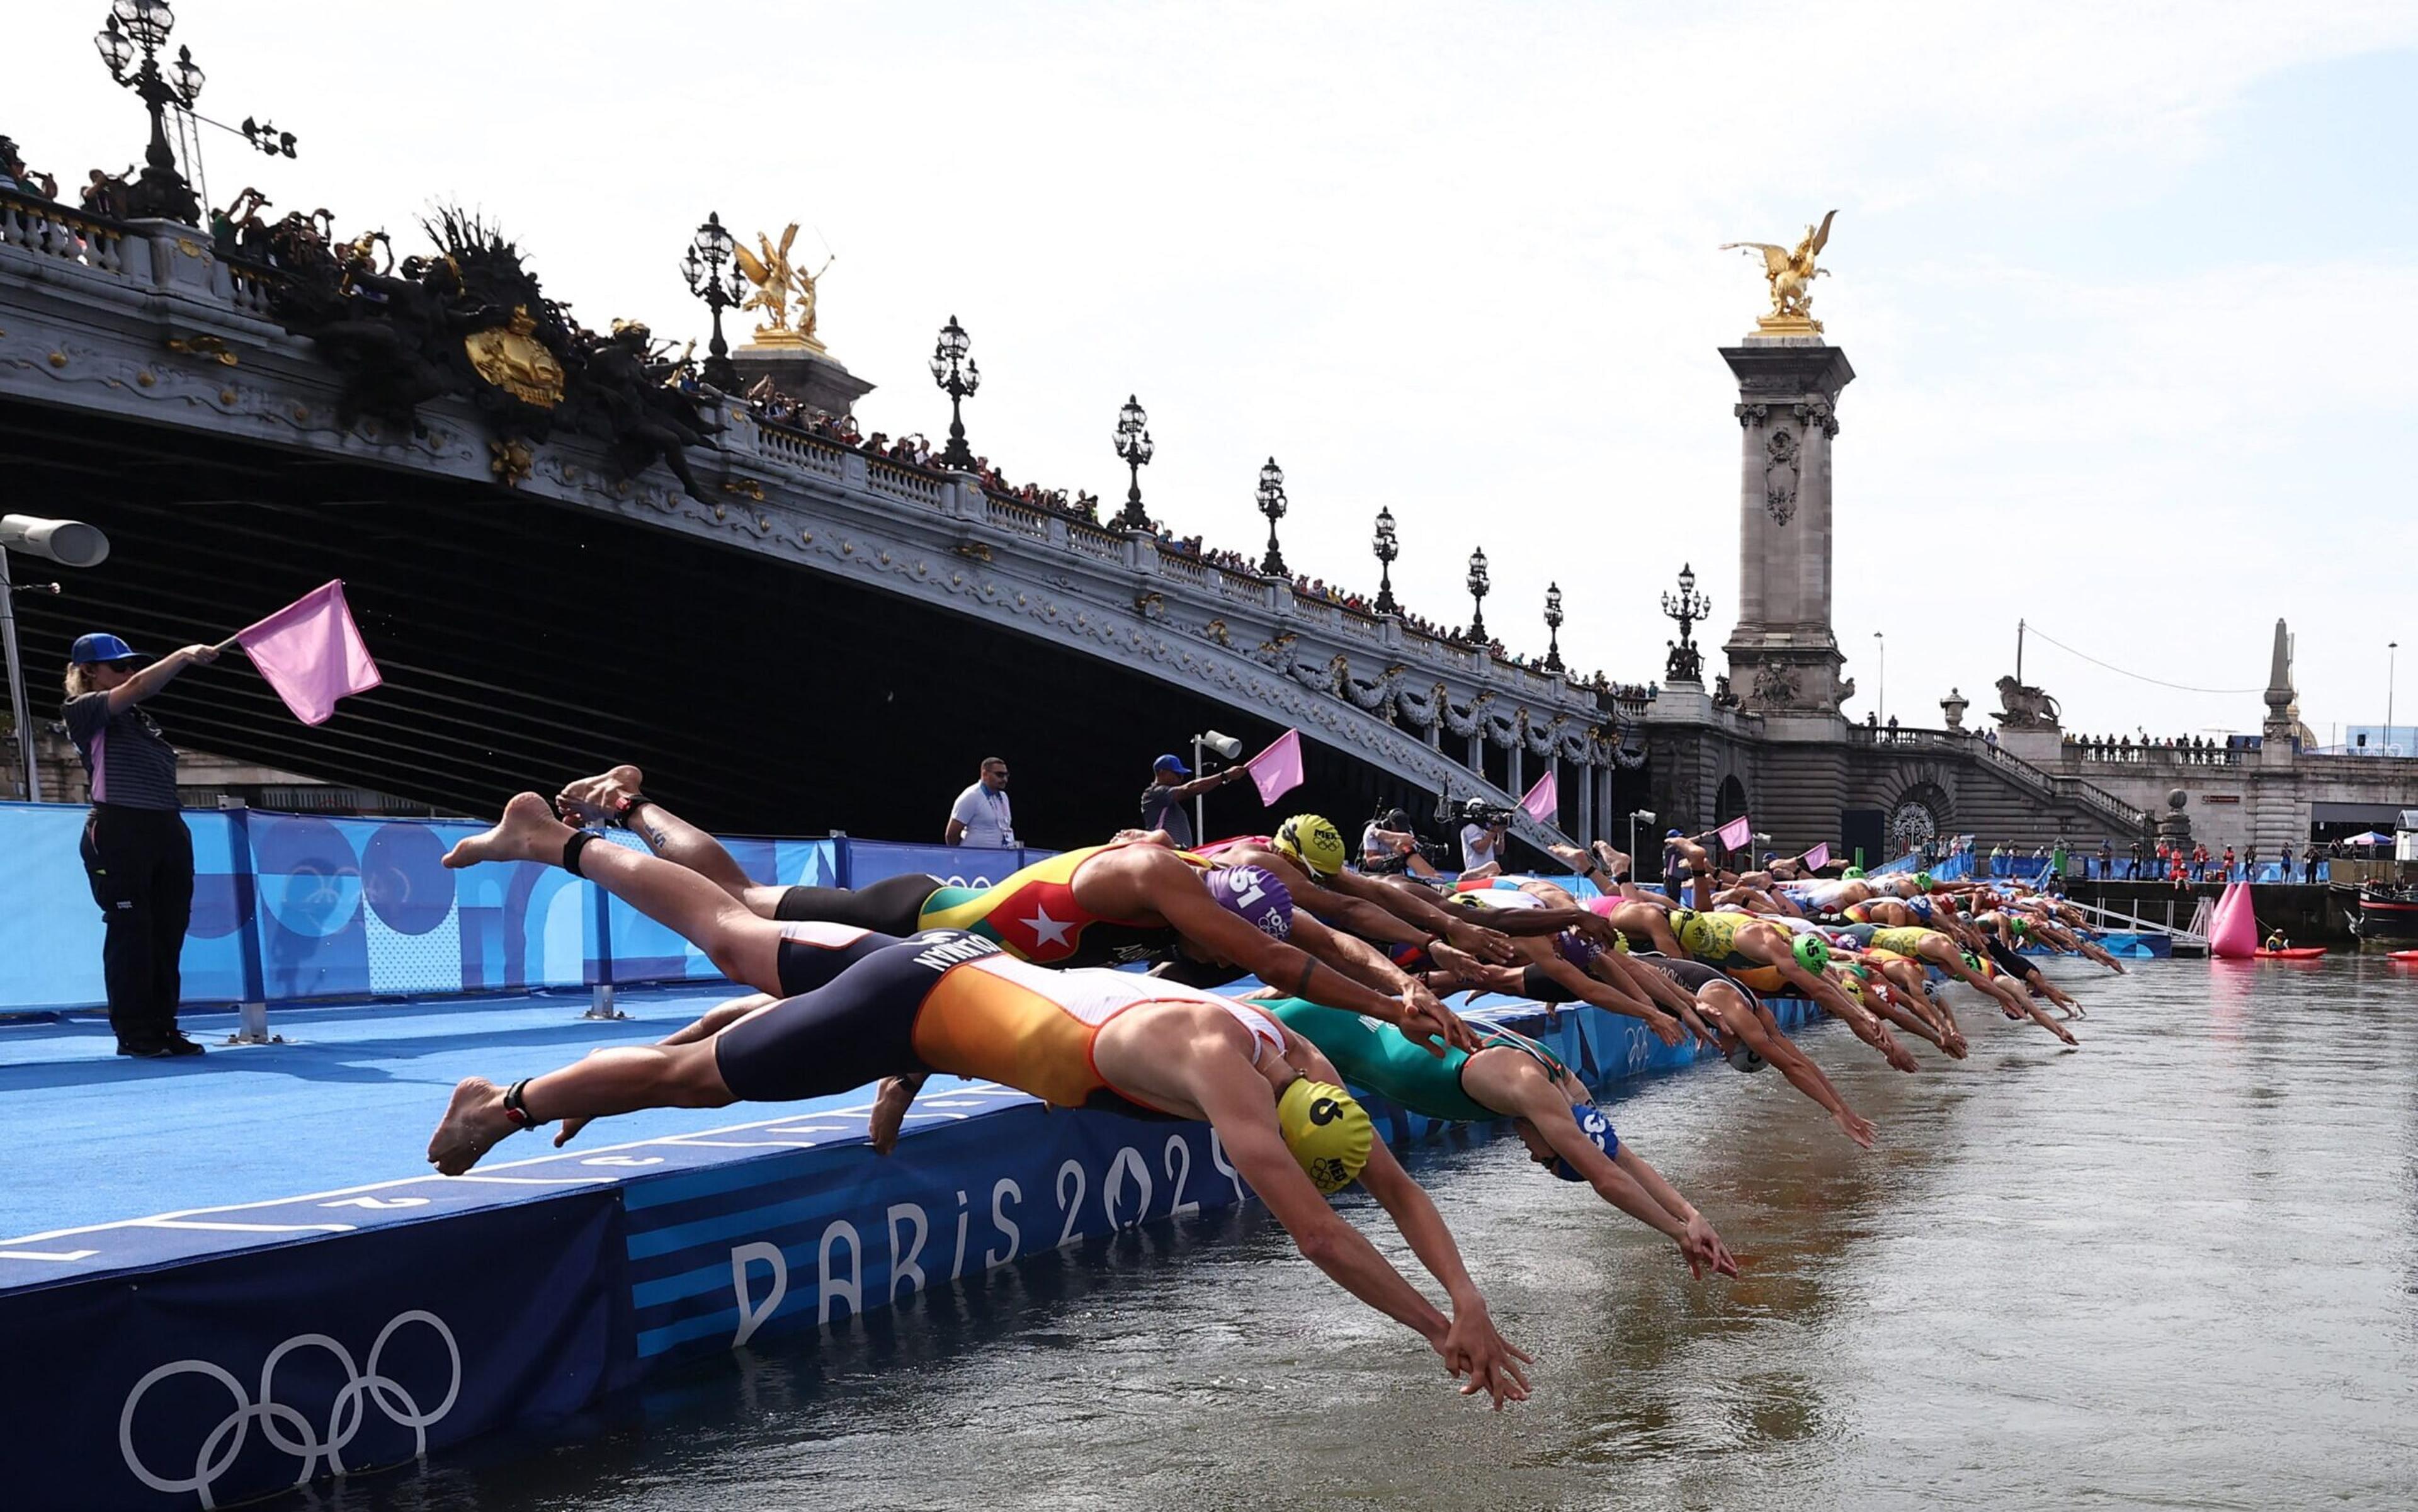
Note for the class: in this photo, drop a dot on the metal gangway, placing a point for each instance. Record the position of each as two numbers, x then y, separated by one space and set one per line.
2190 935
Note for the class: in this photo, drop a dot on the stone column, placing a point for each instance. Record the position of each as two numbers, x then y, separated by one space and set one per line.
1782 654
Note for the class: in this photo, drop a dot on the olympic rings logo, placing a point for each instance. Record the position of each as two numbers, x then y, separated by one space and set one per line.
345 1415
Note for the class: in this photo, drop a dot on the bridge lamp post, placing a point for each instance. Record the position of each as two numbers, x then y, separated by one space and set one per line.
161 193
1273 504
1636 815
2391 655
1386 548
1134 447
1228 749
709 255
1880 701
1553 627
1480 585
1686 664
68 542
957 376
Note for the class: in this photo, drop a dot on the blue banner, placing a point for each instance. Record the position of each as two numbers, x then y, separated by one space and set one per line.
424 1336
299 907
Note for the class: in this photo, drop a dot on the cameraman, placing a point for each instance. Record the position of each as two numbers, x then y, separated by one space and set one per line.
1389 845
1481 838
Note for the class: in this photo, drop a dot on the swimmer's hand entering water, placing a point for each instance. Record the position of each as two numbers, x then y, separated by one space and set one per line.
1482 1359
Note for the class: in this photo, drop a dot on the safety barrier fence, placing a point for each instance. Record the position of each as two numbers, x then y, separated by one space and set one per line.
293 907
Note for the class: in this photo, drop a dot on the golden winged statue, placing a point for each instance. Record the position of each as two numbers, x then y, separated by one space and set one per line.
1791 272
777 282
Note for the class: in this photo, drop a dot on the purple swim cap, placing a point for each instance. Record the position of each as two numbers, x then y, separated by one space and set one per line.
1578 948
1254 895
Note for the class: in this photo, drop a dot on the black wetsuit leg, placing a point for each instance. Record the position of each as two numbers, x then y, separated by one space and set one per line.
812 954
892 905
2008 961
855 1028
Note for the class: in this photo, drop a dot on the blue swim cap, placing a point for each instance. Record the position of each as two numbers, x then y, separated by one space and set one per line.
1596 1127
1255 895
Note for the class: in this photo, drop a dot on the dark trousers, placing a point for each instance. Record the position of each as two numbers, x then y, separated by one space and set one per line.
141 864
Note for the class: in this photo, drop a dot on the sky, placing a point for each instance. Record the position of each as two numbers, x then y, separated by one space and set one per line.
2125 287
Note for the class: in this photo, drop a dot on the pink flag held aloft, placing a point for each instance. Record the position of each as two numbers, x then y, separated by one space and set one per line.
1544 801
1737 834
1818 857
1277 771
312 653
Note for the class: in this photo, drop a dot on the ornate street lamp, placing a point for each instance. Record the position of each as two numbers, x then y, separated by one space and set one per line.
1386 548
1478 586
1686 664
709 257
160 193
1272 504
1553 627
957 376
1134 446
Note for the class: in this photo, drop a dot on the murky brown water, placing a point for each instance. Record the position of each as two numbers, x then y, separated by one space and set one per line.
2177 1269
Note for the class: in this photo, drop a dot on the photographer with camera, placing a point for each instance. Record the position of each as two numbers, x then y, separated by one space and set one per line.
1388 845
1482 829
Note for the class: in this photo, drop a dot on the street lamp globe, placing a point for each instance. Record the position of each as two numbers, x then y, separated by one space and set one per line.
713 244
1134 450
115 50
188 77
149 22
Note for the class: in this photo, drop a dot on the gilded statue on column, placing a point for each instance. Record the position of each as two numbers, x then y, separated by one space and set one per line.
1791 272
778 281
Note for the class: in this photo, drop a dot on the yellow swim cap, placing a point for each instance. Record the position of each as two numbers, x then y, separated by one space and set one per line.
1327 1131
1309 841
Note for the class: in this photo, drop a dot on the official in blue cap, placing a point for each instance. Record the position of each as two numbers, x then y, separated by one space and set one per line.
136 849
1170 783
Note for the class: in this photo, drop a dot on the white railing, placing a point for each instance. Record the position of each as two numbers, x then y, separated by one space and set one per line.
55 231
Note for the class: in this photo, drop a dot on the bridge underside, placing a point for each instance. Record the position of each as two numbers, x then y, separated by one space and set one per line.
526 642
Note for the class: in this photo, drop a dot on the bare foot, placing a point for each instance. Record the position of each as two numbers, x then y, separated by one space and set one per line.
1614 862
474 1122
890 1107
528 831
593 799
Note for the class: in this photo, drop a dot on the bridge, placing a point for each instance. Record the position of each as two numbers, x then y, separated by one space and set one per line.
811 639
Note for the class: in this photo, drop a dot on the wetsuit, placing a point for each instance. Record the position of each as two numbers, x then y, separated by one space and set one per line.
1381 1059
2006 960
953 1002
1691 975
1905 941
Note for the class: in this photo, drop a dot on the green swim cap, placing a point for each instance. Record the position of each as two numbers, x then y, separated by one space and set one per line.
1923 880
1812 952
1853 874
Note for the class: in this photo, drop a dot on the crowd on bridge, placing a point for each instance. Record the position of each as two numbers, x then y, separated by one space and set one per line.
2186 750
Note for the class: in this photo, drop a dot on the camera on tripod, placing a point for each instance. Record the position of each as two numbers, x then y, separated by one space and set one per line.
1476 811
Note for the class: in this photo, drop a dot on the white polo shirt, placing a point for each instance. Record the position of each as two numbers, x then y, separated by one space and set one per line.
988 820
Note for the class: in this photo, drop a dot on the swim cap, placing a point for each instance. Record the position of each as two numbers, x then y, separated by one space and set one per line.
1923 880
1812 952
1742 1056
1309 842
1577 948
2022 929
1853 874
1597 1129
1255 895
1327 1131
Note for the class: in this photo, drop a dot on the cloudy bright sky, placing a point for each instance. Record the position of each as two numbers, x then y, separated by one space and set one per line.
2127 288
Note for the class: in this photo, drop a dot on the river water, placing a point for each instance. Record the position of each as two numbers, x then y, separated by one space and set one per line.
2178 1268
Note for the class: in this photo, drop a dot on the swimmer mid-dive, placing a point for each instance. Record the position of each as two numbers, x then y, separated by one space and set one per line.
1512 1077
948 1001
1147 895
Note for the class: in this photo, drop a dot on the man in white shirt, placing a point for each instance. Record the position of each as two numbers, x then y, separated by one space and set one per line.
1481 844
981 817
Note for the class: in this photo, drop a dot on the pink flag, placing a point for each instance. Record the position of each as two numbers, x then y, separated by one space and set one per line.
1737 834
1544 801
1818 857
312 653
1277 771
